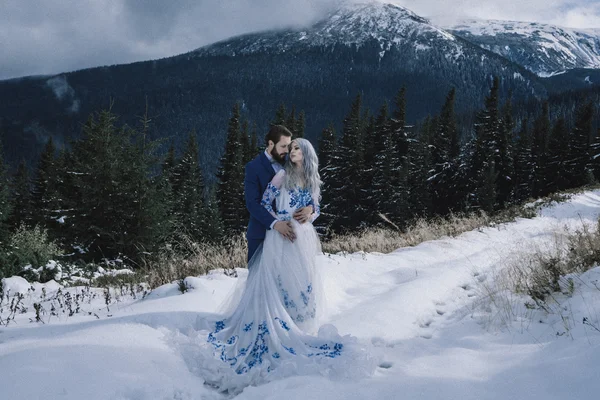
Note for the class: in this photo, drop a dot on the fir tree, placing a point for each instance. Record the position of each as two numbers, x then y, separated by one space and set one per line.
5 205
44 192
419 201
290 122
398 208
248 153
523 164
369 199
381 153
169 161
280 115
327 166
344 207
485 153
300 125
190 205
558 157
580 168
230 191
444 158
504 162
539 152
115 208
21 198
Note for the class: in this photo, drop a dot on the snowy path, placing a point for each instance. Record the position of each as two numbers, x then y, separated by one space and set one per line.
415 305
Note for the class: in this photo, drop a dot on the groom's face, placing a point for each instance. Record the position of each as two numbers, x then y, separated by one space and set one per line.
280 149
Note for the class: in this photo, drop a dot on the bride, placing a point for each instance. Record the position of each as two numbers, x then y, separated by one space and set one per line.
268 331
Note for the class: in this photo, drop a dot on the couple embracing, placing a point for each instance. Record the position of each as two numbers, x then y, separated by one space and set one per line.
270 331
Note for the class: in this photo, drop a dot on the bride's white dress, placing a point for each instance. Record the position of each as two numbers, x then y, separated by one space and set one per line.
268 332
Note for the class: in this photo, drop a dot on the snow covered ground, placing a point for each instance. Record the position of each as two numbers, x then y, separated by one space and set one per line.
424 310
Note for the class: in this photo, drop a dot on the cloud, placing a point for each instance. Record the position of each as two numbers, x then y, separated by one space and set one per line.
55 36
63 91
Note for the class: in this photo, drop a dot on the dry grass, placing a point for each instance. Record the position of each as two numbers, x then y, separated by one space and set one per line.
385 240
194 259
541 279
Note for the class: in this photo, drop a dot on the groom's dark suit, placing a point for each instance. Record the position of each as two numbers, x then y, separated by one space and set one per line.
259 172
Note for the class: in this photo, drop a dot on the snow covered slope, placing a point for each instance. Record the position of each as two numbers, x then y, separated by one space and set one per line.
425 311
541 48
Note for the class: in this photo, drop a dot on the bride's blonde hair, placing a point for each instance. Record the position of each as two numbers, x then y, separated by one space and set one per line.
307 175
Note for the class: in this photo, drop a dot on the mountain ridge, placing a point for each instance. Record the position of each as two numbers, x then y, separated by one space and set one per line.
544 49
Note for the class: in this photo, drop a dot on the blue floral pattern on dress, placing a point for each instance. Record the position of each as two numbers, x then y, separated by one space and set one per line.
299 198
260 349
300 313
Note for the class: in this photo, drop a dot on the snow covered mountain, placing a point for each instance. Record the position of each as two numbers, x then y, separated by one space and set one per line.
543 49
350 24
371 48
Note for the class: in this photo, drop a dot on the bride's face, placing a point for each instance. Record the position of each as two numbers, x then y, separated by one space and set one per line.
295 154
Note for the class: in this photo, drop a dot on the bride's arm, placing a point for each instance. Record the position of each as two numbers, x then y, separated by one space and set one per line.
272 192
316 210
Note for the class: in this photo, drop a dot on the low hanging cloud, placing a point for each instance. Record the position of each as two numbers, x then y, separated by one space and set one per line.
53 36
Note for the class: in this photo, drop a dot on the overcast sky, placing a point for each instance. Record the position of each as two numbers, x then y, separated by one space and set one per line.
53 36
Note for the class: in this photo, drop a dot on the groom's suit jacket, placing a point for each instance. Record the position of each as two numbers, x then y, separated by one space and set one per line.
259 173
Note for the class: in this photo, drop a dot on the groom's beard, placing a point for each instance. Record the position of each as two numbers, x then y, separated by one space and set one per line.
280 158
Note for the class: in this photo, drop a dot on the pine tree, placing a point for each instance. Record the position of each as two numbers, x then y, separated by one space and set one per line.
419 200
5 205
300 125
523 164
190 205
486 190
248 153
504 161
329 176
169 161
67 200
230 191
344 207
369 199
21 198
381 149
115 208
44 192
290 122
280 115
580 169
558 156
485 153
398 208
444 158
539 152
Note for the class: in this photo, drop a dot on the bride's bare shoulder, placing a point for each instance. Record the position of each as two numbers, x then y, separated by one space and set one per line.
278 178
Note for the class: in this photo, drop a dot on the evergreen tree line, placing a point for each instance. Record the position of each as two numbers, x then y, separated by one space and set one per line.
381 171
112 195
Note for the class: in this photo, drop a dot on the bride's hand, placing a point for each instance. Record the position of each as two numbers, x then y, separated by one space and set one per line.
302 215
285 229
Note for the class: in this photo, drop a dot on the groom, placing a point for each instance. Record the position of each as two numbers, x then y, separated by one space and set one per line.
259 172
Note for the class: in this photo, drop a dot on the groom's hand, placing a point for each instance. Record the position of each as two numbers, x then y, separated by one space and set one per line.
286 230
302 215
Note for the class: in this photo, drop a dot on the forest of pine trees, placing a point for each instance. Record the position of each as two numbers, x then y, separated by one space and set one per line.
112 194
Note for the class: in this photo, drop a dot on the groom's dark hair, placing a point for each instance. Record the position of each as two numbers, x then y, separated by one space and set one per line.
276 132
